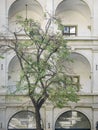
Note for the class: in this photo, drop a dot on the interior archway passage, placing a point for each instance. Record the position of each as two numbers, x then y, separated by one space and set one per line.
72 120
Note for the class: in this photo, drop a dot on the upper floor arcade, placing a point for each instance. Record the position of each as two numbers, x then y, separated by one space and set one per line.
78 16
79 71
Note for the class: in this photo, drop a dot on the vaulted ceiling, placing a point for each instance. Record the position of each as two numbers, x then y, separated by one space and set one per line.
74 5
20 5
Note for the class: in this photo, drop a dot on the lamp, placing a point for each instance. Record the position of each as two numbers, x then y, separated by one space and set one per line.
26 11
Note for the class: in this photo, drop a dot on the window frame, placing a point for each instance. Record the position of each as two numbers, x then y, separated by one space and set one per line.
75 81
68 32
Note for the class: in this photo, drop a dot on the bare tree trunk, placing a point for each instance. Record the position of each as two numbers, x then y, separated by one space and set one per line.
38 118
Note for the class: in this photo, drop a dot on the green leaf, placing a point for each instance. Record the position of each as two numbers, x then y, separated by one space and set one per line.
1 57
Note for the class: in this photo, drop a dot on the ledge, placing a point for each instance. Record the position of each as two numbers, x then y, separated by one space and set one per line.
69 38
82 38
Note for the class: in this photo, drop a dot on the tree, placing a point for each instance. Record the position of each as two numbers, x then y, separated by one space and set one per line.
43 74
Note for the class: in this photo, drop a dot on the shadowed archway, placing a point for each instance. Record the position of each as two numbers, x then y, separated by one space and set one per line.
72 120
22 120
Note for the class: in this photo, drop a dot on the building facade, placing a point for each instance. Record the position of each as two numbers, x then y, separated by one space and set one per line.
80 20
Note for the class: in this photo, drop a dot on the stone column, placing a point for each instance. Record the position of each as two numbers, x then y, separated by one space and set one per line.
49 117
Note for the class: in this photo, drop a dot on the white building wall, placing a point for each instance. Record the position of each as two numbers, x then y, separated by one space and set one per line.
95 18
86 44
95 71
3 16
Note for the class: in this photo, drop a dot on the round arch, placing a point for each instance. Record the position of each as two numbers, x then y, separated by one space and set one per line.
13 62
72 120
79 5
80 70
75 13
30 9
18 6
14 70
83 57
22 120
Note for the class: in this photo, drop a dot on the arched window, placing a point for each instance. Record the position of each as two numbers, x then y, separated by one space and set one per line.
22 120
72 120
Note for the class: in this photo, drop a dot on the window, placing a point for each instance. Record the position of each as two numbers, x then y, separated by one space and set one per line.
22 120
72 120
70 30
74 80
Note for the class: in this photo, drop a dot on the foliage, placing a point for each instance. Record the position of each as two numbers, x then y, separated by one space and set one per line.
41 61
43 74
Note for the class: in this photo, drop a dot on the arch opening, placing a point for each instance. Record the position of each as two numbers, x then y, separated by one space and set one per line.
26 9
14 70
72 120
75 13
80 68
20 5
23 120
74 5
